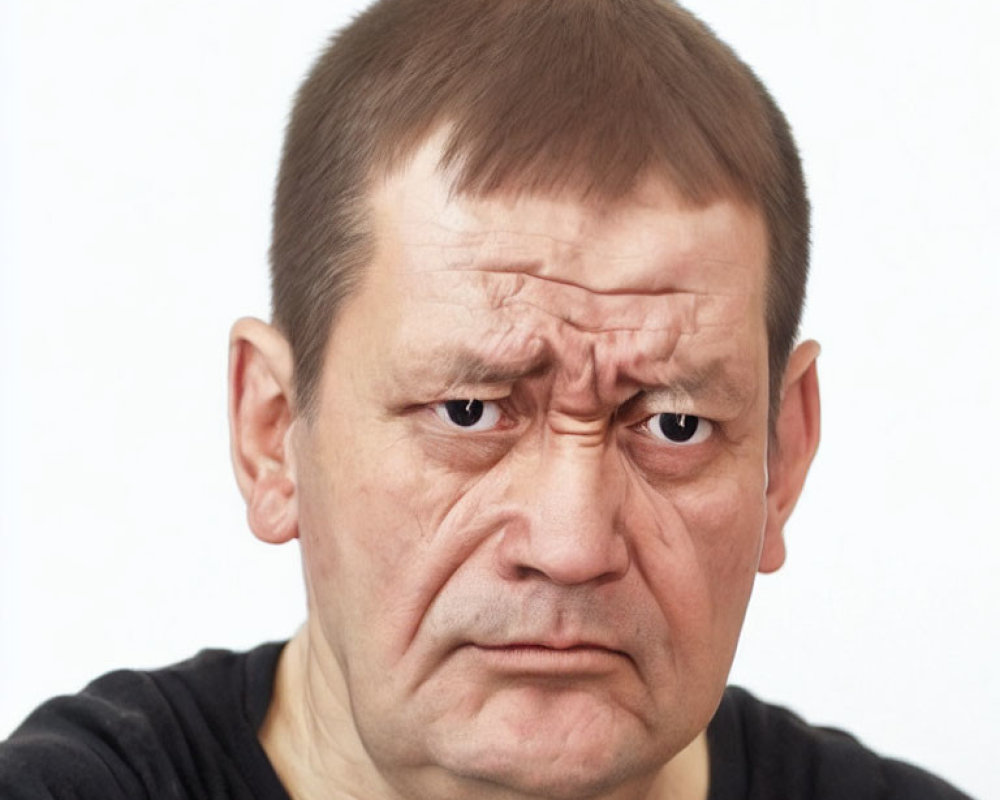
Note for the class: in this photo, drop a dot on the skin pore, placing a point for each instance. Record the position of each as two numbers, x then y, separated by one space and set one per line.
537 591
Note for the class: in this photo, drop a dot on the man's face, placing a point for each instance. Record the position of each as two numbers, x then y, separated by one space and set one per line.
532 499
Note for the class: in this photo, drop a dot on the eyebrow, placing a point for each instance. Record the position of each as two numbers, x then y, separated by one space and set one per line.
711 382
466 367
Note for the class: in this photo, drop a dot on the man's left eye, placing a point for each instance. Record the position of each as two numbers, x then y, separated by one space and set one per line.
681 429
470 415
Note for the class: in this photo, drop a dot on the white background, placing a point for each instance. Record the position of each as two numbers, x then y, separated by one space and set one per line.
138 145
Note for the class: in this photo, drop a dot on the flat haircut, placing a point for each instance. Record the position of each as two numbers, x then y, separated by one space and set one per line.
539 96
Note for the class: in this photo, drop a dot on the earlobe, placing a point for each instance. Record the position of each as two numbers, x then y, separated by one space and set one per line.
796 438
261 418
272 510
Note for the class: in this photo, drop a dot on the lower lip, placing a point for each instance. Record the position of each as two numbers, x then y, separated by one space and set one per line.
537 659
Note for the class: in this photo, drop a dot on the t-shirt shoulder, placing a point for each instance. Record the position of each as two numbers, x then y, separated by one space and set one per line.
187 731
763 751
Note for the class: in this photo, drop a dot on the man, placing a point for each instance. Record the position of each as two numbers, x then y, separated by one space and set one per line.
531 405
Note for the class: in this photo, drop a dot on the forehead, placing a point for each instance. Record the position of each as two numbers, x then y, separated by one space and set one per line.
646 290
651 241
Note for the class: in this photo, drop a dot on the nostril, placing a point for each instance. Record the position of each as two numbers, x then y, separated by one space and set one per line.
523 573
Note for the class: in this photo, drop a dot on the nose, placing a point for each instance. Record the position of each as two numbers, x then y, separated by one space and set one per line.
569 526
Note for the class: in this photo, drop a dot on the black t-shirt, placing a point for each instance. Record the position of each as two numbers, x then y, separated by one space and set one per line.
189 732
763 752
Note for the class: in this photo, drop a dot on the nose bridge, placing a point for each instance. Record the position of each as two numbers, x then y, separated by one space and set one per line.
572 512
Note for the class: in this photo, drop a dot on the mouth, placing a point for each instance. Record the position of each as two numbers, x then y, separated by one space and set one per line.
582 658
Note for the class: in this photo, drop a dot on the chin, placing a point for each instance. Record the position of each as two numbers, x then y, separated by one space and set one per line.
569 746
531 772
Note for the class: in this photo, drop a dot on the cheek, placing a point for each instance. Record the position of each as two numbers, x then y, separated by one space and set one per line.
370 518
699 547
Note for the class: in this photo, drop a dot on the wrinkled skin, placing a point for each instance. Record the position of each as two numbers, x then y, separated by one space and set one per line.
547 604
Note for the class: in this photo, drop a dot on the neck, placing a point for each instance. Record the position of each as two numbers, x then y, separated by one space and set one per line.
311 740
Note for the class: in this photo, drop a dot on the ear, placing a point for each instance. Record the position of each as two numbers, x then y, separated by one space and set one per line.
261 414
796 437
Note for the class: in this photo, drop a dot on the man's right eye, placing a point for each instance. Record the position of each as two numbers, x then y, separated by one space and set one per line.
470 415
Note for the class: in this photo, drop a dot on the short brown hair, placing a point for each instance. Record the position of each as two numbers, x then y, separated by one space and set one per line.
538 95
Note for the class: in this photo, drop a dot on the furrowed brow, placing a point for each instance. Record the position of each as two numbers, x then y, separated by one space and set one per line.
461 367
451 371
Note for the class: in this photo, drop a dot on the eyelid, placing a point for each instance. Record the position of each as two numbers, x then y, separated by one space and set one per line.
462 391
649 402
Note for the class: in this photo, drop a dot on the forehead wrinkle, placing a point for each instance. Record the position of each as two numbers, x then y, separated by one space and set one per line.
590 254
675 275
565 301
590 311
470 249
682 267
533 269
